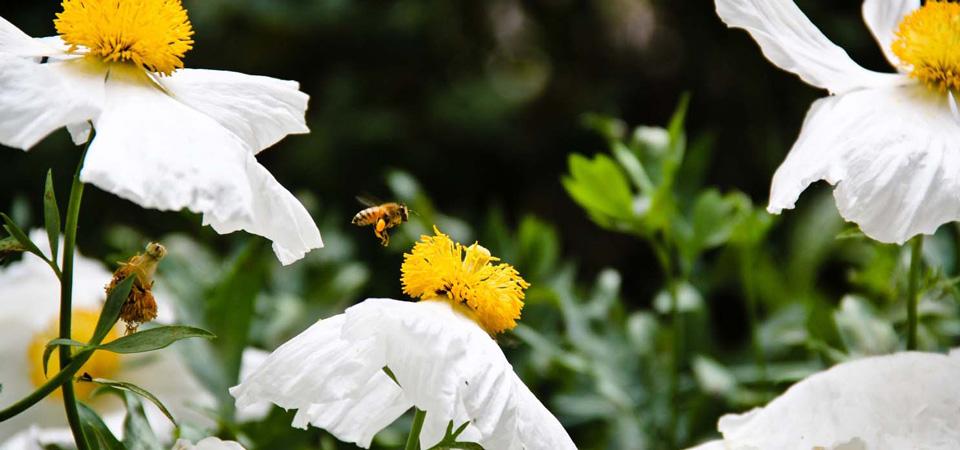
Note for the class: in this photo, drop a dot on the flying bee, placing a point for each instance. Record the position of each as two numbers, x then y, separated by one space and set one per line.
382 216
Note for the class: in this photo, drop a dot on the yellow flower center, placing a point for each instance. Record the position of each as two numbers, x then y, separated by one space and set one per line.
102 364
928 44
153 34
490 294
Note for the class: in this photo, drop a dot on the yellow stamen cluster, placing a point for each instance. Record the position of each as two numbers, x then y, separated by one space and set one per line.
928 44
439 269
153 34
100 364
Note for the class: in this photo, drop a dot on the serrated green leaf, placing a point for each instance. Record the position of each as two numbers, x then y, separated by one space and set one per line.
52 345
600 187
154 339
133 389
632 166
111 309
96 432
51 216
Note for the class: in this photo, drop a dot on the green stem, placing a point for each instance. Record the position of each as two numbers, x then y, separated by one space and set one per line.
916 261
666 264
413 440
66 299
746 273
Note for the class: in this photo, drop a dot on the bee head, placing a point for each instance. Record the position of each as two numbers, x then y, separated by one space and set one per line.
404 212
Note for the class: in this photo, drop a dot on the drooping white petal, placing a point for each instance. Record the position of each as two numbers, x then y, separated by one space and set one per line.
445 363
37 99
893 154
788 39
259 110
900 401
210 443
14 41
250 360
882 18
160 153
277 215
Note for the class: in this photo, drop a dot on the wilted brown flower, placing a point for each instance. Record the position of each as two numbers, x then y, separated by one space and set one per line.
140 306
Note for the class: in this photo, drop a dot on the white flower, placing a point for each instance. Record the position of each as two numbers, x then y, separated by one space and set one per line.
444 363
888 141
210 443
907 400
29 307
166 138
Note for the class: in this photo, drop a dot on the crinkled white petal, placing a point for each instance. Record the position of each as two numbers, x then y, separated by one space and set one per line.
907 400
250 360
14 41
276 215
893 154
210 443
788 39
160 153
882 18
37 99
445 363
259 110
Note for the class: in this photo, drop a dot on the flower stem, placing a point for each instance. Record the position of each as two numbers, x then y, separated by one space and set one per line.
746 274
46 388
916 261
66 299
666 264
413 440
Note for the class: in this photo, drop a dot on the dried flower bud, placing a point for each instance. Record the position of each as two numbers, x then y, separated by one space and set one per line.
140 306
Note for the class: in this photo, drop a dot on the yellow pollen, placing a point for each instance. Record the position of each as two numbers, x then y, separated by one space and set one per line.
928 45
153 34
438 268
101 364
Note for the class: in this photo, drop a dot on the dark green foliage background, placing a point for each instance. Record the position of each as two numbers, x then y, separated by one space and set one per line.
469 110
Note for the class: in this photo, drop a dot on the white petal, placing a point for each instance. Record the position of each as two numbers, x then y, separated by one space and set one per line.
882 18
36 99
789 40
160 153
259 110
277 215
15 42
893 154
444 362
710 445
251 359
354 401
210 443
905 400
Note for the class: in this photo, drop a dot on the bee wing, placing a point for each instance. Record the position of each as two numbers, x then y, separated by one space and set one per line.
368 200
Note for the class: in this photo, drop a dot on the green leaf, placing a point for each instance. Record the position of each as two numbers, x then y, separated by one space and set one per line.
133 389
52 345
96 432
111 309
51 216
154 339
10 245
601 188
21 237
230 312
632 166
137 433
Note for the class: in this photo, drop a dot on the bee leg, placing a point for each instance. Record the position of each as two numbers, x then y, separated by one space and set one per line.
381 231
